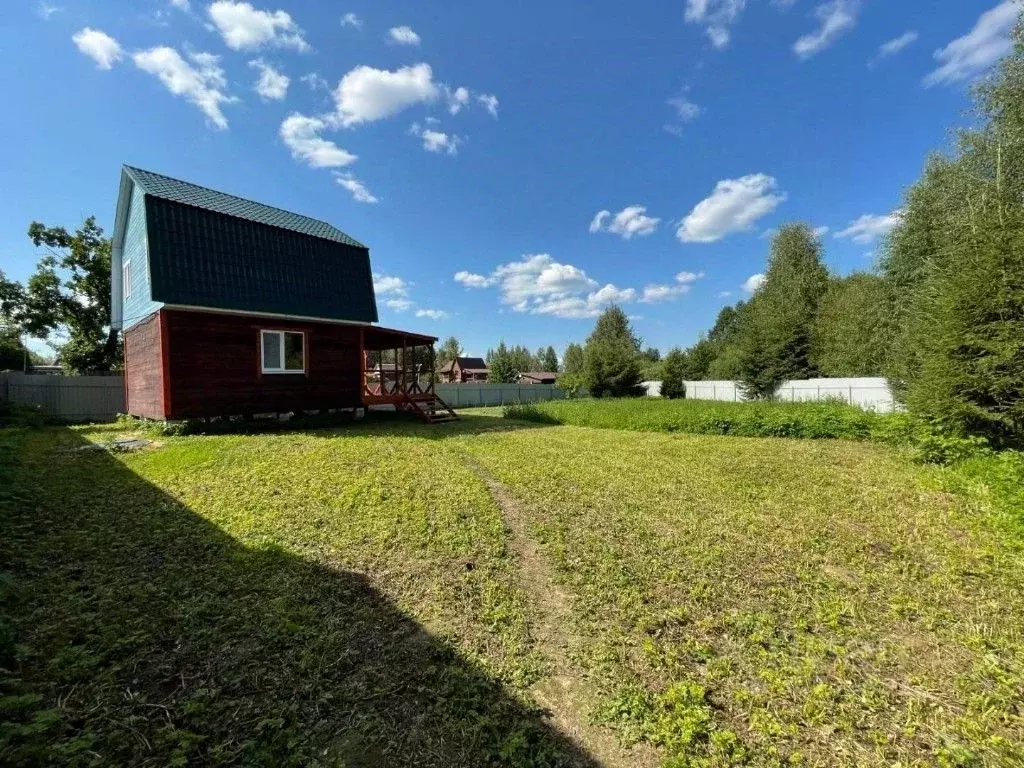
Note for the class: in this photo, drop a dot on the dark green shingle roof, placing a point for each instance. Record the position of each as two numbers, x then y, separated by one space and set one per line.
186 193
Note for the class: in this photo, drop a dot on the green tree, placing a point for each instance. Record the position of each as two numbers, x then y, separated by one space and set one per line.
501 365
959 355
612 356
573 359
13 354
449 350
674 376
847 337
522 359
547 359
69 295
775 341
697 360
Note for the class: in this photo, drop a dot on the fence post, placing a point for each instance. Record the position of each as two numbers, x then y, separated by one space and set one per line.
851 395
714 391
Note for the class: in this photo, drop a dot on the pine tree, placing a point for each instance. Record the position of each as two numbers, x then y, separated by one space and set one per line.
775 343
612 357
674 374
501 366
847 335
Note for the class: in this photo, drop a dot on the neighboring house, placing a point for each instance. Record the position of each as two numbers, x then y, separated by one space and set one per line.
462 370
537 377
231 307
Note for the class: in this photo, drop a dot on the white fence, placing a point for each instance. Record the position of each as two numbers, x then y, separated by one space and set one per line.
74 398
469 395
867 392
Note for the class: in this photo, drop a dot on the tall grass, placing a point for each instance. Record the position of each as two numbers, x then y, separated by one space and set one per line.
703 417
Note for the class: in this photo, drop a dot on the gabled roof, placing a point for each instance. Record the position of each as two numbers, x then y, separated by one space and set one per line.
539 375
476 363
177 191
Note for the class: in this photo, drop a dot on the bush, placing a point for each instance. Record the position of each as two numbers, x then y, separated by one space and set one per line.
673 375
528 412
18 415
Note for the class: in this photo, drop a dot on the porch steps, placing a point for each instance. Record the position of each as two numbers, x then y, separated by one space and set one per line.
435 411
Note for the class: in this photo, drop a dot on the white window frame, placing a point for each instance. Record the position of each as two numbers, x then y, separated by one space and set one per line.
126 279
280 368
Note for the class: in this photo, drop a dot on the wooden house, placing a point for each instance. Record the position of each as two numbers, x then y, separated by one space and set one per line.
231 307
538 377
462 370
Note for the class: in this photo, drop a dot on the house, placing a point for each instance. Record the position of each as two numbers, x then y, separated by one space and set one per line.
231 307
537 377
463 369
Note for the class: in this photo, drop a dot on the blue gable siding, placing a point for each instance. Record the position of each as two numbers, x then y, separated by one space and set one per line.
136 251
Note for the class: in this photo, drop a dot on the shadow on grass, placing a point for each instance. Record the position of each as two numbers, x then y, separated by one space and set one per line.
139 633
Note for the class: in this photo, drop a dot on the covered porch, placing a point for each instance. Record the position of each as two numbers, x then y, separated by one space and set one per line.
399 369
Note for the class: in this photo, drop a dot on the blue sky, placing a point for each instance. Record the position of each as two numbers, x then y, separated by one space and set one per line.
474 147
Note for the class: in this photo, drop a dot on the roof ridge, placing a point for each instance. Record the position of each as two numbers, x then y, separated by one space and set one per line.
130 168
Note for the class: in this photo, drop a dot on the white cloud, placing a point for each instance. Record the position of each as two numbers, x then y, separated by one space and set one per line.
246 28
271 83
202 82
358 189
366 94
390 285
45 10
398 305
403 36
716 16
686 110
657 292
433 314
351 20
457 99
821 231
835 18
314 81
538 285
733 206
724 294
98 46
689 277
181 5
869 227
630 221
472 280
436 141
490 102
897 44
753 283
301 134
970 55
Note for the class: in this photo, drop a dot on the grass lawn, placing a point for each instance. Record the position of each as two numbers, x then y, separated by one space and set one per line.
497 593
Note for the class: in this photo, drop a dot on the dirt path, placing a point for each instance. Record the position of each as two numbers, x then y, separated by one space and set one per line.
565 694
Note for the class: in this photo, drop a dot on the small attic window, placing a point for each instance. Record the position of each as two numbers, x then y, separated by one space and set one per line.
126 279
283 351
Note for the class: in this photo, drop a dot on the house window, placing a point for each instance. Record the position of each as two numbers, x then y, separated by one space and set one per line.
283 351
126 279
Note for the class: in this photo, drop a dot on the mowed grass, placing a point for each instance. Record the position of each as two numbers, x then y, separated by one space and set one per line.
753 419
768 602
352 597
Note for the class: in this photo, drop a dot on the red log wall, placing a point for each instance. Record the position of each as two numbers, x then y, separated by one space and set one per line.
214 366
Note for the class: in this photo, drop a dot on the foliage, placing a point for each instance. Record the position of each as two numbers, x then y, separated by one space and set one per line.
612 356
69 295
12 352
847 335
20 415
956 270
573 360
750 419
572 384
527 412
547 359
775 344
674 374
504 367
449 350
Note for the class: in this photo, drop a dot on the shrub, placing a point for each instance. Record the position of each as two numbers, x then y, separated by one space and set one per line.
528 412
674 375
